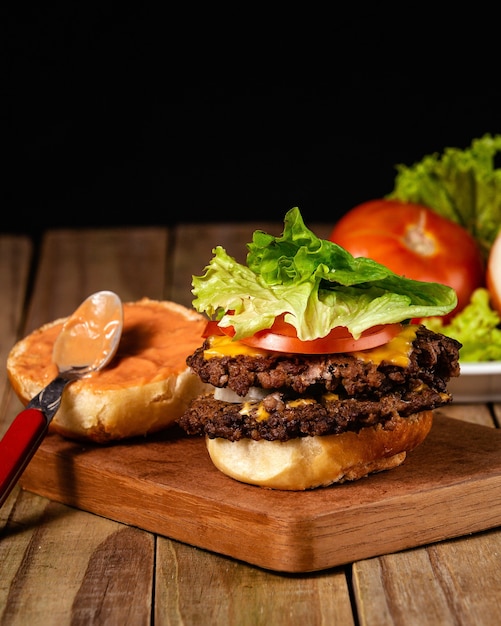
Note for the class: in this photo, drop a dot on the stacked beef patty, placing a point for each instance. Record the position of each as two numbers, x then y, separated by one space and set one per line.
318 394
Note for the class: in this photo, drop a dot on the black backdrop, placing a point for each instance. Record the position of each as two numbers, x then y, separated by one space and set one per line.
118 119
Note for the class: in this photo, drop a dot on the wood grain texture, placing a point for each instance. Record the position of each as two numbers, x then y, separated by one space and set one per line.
69 566
204 588
104 568
15 258
76 263
453 582
450 583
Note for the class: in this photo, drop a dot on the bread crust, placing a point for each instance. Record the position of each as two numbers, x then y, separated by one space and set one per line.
318 461
139 393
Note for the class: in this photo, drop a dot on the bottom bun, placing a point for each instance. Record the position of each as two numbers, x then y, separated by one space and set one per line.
309 462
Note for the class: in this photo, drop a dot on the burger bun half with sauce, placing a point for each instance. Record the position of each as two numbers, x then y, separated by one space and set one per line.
143 390
318 374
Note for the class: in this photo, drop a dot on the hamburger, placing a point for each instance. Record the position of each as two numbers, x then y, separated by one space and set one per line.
317 373
143 390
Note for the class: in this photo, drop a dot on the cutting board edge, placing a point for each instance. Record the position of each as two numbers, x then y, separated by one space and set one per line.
293 547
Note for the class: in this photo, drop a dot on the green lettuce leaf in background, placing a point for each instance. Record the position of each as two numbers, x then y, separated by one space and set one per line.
477 327
462 185
315 283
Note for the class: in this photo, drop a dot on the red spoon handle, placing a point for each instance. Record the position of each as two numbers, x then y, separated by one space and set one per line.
18 445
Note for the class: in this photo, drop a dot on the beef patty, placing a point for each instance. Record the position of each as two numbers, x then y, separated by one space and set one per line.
319 394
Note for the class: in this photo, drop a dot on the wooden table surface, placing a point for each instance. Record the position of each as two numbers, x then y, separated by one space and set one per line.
60 565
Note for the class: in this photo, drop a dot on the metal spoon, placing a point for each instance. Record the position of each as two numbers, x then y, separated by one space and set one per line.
87 342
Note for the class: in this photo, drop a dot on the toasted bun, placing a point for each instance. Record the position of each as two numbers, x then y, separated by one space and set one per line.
309 462
144 389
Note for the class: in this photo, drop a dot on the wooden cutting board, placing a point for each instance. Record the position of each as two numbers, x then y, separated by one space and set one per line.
448 487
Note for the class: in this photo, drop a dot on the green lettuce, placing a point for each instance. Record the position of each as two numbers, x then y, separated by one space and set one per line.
477 327
461 185
315 283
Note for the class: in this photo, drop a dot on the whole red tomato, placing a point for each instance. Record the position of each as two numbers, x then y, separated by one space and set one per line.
415 242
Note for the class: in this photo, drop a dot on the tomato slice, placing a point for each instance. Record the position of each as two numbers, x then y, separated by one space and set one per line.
338 340
282 338
213 328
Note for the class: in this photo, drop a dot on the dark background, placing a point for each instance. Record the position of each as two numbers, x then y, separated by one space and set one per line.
139 117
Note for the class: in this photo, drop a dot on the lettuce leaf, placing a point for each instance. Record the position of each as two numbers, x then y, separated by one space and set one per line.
317 285
462 185
477 327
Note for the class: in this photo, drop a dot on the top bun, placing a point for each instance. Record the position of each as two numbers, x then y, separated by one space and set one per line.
144 389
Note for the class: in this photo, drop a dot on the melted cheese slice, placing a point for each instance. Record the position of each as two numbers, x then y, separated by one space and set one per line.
223 345
396 352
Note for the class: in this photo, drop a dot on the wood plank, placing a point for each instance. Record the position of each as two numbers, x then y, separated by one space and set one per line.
15 257
497 414
204 588
453 478
474 413
455 581
76 263
66 565
72 567
16 253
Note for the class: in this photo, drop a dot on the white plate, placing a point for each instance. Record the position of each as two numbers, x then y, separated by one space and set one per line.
478 382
